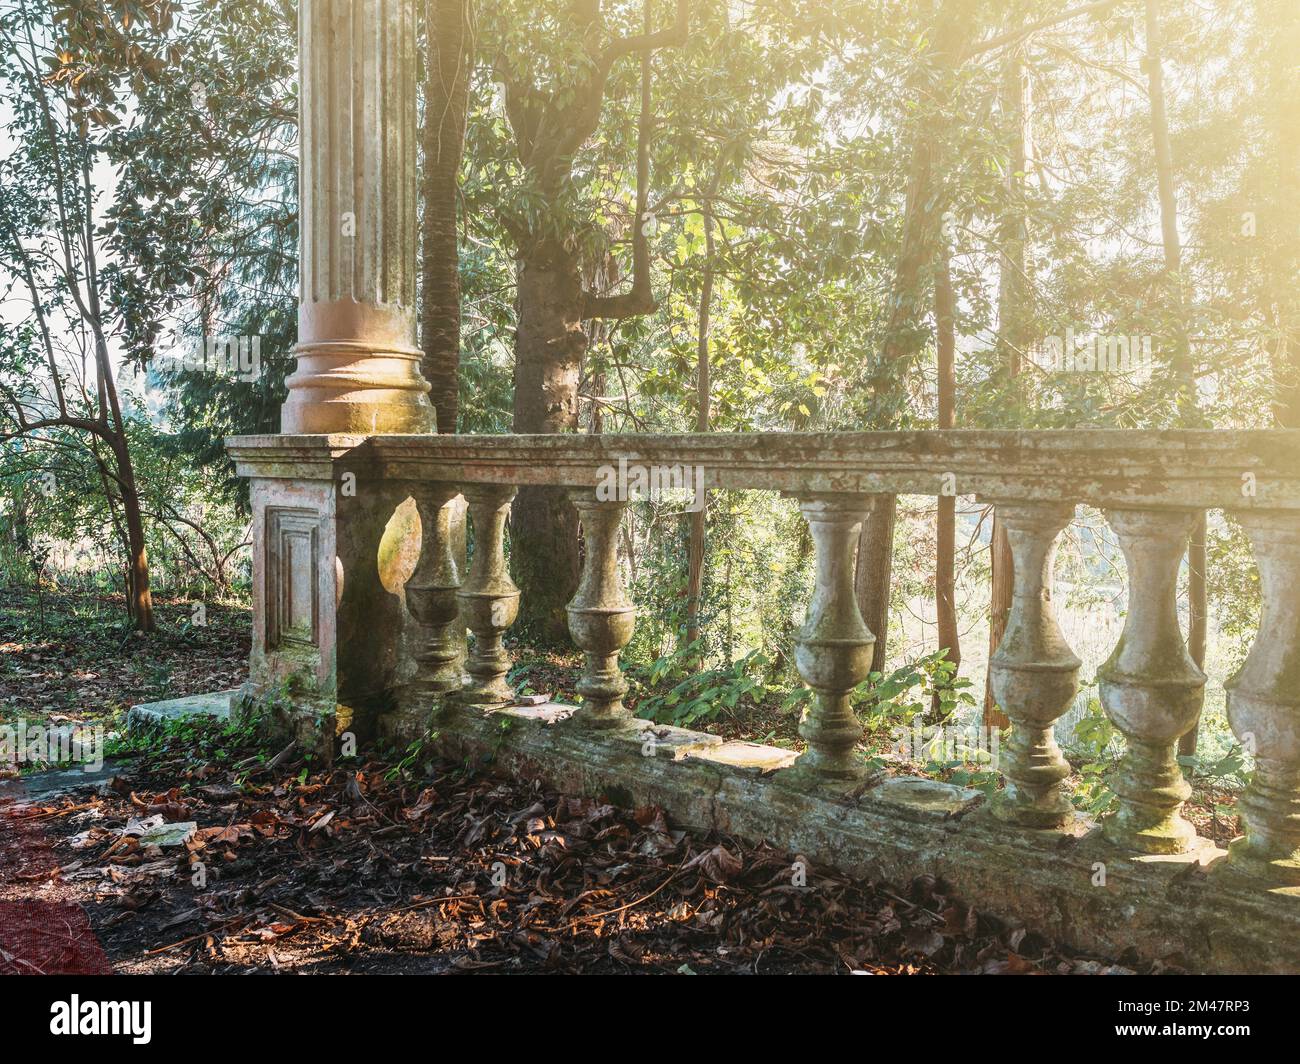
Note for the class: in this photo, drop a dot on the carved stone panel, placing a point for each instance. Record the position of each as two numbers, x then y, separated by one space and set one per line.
292 578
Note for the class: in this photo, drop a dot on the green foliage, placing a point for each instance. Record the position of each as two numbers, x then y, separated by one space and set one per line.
908 694
1098 746
697 696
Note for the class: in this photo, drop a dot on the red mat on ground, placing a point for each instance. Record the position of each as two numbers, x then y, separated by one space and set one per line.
40 937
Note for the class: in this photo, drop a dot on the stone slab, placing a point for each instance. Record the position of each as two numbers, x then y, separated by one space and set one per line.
50 782
1103 467
151 714
917 795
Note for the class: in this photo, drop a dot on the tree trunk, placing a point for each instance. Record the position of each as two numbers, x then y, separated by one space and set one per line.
695 563
945 530
140 600
874 573
1188 410
449 34
1013 313
905 334
549 346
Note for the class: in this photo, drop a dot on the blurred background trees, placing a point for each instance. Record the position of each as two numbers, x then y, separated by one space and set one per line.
723 215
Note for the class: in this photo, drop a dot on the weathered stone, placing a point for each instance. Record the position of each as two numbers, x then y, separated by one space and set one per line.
601 616
1264 708
151 714
919 796
833 648
1033 671
1105 468
169 834
1069 884
489 600
431 600
1150 687
753 756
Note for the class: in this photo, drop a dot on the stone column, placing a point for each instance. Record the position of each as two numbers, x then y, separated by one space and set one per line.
601 616
431 600
1264 707
1150 687
833 649
489 600
1034 673
358 363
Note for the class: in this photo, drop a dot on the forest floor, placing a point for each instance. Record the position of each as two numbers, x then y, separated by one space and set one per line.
371 867
387 866
69 657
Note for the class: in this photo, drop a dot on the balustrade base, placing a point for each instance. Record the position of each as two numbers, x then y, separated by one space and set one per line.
1189 910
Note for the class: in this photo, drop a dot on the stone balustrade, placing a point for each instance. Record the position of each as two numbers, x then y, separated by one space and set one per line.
1150 486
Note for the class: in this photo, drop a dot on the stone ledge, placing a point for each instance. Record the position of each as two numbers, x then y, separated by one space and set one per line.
151 714
1104 467
1191 910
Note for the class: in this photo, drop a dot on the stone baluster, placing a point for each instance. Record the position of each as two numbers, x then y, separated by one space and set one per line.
601 616
833 648
489 600
1150 687
1034 673
431 599
1264 707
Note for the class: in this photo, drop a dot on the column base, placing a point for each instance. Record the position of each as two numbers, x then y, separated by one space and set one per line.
352 387
1052 809
812 770
1269 867
491 694
1171 835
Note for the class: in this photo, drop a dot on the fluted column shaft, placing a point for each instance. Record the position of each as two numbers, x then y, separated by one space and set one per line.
1264 707
1034 673
601 616
1150 687
358 363
833 649
431 598
489 600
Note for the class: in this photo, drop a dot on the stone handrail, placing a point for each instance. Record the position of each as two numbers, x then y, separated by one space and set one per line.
1103 467
1151 485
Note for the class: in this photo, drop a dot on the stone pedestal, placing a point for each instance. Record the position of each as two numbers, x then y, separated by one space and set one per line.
329 618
